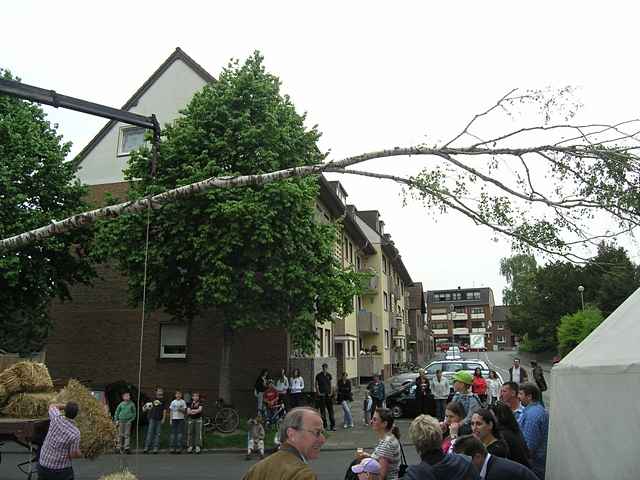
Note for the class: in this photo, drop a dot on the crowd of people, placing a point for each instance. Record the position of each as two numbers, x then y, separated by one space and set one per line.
485 430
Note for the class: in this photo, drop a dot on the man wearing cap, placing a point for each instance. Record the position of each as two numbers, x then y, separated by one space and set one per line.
461 382
367 469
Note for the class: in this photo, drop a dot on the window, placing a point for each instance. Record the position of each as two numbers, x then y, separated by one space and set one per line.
384 264
473 295
346 248
327 337
501 339
477 310
359 303
500 326
472 366
451 367
433 368
320 349
477 324
131 138
459 309
386 339
173 341
358 263
350 252
386 301
457 295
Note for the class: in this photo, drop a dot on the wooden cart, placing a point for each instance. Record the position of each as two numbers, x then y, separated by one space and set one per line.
28 433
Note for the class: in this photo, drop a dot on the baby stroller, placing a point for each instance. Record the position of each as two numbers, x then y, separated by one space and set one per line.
274 415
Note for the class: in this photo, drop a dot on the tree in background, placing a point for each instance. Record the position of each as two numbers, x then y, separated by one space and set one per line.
539 298
243 257
36 185
576 327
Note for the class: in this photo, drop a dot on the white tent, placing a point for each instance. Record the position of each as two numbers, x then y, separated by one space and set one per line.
594 430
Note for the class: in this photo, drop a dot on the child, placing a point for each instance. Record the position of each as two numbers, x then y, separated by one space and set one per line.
255 437
124 417
366 407
367 469
178 407
194 424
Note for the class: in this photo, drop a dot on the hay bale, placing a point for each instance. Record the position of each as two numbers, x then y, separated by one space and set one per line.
28 405
97 431
124 475
25 377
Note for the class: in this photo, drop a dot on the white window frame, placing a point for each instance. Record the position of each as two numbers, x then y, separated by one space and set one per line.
386 339
165 328
500 326
121 152
501 339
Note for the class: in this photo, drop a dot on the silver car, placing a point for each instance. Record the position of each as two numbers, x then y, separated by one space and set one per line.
448 368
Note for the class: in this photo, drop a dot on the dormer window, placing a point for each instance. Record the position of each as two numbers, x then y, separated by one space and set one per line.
131 138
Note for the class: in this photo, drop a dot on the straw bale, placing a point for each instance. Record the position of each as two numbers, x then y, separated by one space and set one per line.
28 405
97 431
124 475
25 377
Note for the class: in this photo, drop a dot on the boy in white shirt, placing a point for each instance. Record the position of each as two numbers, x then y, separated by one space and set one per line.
177 410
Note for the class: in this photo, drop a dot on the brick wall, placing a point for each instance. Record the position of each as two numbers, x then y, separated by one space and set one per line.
96 338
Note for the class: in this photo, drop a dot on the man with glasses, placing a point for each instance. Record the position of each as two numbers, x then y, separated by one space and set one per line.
302 436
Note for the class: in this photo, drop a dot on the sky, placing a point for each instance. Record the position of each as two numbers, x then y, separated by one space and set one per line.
371 74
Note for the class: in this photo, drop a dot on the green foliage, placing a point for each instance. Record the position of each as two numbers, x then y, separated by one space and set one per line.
254 255
36 186
576 327
539 296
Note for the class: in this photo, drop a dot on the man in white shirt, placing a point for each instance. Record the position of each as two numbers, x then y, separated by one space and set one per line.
177 409
517 373
440 389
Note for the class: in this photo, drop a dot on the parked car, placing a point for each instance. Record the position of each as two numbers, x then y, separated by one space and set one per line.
448 367
402 401
453 353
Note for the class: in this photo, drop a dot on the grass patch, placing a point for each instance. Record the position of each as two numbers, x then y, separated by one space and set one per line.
237 439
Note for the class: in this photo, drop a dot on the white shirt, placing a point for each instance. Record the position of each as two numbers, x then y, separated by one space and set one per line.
440 389
178 408
282 385
494 387
517 374
297 385
483 471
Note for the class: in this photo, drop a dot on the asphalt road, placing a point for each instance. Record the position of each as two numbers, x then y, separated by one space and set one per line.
330 466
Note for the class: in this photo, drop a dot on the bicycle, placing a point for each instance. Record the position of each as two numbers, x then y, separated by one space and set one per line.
224 420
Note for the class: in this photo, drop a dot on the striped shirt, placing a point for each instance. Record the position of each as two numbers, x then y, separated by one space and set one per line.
62 439
389 448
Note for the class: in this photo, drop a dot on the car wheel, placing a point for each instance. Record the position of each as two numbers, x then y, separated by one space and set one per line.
396 411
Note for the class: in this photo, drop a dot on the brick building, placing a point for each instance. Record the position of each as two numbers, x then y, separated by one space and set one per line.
455 315
96 337
501 335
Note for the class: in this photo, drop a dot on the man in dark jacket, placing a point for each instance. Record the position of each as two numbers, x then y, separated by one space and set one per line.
490 466
426 434
517 373
538 377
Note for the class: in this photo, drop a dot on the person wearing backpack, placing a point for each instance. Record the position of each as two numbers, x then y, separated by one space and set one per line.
462 381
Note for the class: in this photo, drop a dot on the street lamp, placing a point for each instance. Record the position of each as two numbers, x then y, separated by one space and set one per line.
581 290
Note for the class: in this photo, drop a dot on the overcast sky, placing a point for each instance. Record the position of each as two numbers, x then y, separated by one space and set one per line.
372 75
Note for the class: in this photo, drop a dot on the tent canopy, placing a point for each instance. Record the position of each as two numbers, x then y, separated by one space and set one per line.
595 402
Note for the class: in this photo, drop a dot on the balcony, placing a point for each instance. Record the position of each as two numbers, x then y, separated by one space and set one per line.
370 285
370 365
368 322
479 330
461 331
440 331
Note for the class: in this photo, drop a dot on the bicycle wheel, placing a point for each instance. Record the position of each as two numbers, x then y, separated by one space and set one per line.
208 425
227 420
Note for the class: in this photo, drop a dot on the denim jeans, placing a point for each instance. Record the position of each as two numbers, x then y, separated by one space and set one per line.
346 410
153 434
177 432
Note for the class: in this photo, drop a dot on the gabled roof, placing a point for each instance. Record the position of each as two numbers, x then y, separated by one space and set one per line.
178 54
